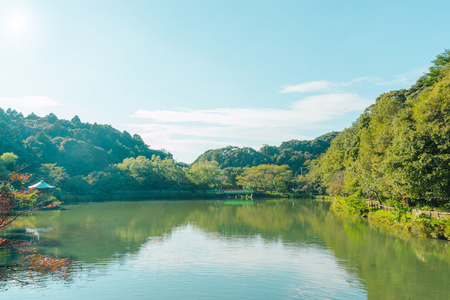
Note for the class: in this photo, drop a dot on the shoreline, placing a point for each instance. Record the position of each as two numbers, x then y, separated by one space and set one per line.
398 220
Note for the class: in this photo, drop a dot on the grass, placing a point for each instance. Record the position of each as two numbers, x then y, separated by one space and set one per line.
400 220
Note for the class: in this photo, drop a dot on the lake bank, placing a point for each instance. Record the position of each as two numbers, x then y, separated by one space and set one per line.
174 195
399 220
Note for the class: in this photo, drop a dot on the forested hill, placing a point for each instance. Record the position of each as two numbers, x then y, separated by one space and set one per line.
79 147
399 148
293 153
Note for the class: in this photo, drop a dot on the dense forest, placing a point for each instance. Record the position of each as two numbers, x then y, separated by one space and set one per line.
398 149
78 147
84 158
293 153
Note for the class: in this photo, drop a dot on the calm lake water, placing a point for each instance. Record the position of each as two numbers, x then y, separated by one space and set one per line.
277 249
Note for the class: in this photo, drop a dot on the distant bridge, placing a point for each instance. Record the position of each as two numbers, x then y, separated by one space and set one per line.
237 193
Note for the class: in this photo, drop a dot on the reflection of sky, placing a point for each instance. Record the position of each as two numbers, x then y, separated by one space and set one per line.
191 264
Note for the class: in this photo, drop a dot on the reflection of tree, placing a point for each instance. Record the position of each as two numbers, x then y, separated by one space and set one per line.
98 232
19 260
405 269
267 220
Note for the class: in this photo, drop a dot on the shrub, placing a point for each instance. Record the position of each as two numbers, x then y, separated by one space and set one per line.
353 204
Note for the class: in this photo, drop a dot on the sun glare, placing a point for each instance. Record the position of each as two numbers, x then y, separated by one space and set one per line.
17 24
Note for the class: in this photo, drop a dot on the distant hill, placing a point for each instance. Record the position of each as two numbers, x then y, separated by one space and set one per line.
79 147
293 153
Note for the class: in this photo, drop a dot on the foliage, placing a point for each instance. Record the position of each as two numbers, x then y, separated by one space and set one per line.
266 177
435 71
7 163
13 204
398 149
53 173
271 168
425 226
401 212
80 148
355 205
205 174
80 157
296 154
421 225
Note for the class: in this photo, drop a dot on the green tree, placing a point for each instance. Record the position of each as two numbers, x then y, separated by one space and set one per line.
77 184
435 71
266 177
53 173
205 174
140 168
8 161
398 148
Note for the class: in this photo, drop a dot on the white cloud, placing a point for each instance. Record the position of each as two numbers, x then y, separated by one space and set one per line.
28 102
307 87
242 117
325 85
328 86
312 109
186 129
236 132
325 107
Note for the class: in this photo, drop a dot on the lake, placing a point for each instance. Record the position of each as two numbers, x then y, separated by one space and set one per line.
262 249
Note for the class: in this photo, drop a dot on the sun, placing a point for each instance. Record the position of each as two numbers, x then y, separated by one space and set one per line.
17 23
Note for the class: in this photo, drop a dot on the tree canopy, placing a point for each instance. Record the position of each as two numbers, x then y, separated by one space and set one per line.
80 148
399 148
296 154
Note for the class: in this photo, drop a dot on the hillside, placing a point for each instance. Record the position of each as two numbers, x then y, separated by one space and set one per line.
399 148
293 153
80 148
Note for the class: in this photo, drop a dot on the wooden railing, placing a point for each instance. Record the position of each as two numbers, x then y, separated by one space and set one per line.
435 214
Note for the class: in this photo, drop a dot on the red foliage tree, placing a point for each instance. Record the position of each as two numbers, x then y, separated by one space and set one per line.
26 263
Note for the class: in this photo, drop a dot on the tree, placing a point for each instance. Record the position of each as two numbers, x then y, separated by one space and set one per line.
435 71
24 261
53 173
399 147
7 163
77 184
140 168
266 177
205 174
296 154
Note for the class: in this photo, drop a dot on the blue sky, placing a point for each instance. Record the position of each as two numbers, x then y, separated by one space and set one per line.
194 75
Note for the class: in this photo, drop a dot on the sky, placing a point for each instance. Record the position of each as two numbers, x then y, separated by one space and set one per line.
189 76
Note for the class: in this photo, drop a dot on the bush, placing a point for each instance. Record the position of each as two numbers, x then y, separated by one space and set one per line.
353 204
401 212
423 225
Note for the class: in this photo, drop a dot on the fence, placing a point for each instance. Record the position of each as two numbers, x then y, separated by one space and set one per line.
435 214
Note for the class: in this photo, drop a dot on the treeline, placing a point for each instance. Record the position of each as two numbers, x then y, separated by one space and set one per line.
272 168
81 157
295 154
398 150
70 154
78 147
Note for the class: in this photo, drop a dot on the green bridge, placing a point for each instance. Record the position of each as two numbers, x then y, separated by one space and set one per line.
237 193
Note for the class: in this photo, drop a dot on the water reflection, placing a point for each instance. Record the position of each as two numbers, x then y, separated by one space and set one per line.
297 249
